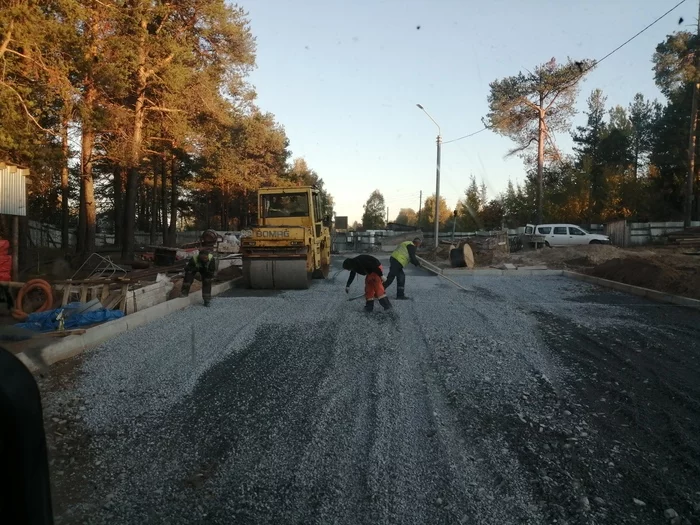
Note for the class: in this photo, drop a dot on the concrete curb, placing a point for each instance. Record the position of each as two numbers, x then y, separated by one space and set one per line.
654 295
40 360
490 272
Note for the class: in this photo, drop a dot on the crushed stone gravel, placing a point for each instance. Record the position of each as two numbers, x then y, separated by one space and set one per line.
514 403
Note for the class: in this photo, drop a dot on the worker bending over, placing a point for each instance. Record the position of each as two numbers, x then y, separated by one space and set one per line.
402 255
372 269
204 265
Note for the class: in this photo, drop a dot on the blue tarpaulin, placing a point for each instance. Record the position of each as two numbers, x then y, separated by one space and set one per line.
46 321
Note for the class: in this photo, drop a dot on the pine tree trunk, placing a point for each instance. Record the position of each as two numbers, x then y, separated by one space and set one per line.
142 209
540 163
88 190
164 198
65 193
245 208
172 228
118 186
82 215
207 214
154 207
132 181
88 208
688 201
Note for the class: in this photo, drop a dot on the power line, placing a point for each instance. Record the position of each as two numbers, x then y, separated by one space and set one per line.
642 31
467 136
595 63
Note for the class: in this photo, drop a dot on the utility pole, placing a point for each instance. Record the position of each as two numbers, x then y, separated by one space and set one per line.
437 178
688 204
437 192
420 203
387 214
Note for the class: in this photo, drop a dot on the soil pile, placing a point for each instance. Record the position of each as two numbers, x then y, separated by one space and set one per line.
570 257
651 273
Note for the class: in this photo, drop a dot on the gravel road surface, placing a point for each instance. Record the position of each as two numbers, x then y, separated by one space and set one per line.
528 400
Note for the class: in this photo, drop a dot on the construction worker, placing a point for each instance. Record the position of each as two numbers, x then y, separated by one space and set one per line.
204 265
402 255
370 267
24 463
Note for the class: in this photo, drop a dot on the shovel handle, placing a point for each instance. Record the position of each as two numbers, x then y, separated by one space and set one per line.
428 265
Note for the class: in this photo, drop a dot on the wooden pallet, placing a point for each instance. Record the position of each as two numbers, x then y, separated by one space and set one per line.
111 293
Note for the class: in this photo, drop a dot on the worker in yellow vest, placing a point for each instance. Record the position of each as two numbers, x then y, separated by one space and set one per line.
203 264
402 255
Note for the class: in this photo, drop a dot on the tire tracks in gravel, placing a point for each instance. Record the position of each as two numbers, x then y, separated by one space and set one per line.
307 422
499 406
637 375
488 484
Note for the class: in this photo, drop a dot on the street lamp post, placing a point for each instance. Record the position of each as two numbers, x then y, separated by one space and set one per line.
437 177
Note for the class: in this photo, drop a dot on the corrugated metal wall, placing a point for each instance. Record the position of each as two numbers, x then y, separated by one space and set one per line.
13 190
618 233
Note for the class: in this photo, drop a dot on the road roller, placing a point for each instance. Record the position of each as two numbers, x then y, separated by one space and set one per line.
290 243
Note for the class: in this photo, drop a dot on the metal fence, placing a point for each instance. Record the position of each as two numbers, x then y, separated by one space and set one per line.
625 234
622 233
48 236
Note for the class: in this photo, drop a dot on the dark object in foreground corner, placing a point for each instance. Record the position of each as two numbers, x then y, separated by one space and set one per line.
25 493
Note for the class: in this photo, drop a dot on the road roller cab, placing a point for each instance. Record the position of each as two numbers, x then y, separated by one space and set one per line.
291 242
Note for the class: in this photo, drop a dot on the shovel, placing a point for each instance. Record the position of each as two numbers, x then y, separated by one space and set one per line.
434 269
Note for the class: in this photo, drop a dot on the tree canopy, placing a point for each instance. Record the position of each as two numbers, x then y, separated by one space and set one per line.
529 108
374 215
407 217
138 116
427 216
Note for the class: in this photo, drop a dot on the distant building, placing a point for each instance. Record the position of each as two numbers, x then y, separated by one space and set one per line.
13 190
13 202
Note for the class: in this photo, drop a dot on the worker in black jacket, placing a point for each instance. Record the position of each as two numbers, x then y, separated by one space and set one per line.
24 464
370 267
203 264
402 255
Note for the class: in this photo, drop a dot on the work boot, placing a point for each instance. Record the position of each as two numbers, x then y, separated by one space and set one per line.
369 305
185 291
384 301
207 303
400 295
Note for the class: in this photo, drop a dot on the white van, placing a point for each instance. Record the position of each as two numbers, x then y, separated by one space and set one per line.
565 235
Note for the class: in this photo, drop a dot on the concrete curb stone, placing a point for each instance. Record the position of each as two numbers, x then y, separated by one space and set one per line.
654 295
647 293
489 272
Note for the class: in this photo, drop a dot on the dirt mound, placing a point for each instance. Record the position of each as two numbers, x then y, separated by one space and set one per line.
570 257
650 273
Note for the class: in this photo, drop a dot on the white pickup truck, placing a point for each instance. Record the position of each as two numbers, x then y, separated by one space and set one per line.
564 235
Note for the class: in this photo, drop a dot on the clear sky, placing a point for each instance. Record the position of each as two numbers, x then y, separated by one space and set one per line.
344 77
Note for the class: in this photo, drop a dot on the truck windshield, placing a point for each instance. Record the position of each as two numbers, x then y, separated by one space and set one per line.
286 205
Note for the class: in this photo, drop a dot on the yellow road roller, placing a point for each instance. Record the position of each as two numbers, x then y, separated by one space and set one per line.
291 242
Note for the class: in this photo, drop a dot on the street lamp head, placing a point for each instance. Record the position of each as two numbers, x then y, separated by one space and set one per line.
421 107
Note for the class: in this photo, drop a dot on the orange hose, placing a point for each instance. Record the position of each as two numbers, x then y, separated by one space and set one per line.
20 314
